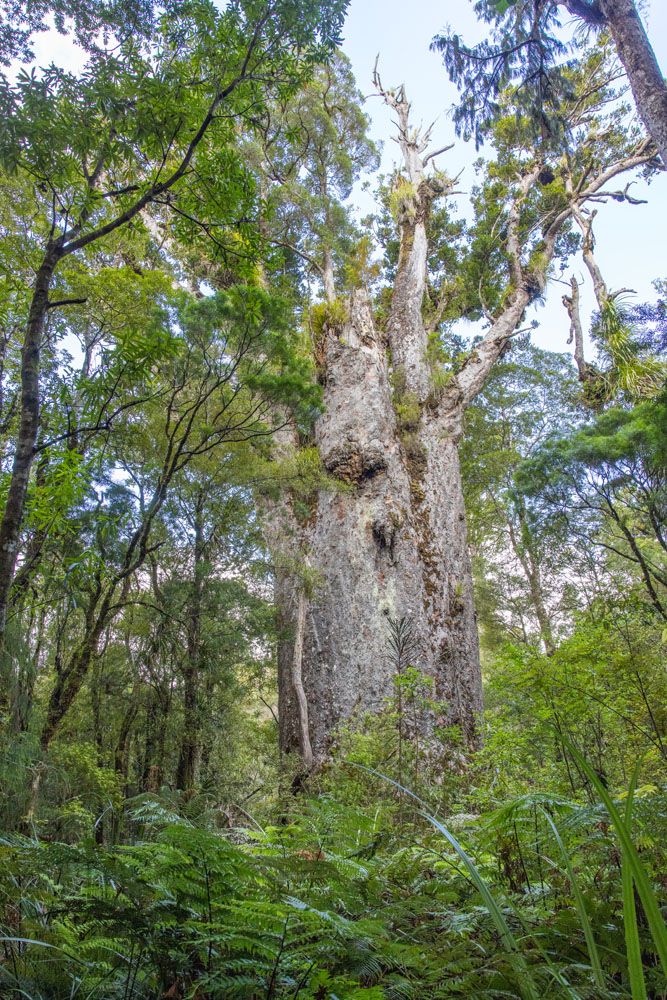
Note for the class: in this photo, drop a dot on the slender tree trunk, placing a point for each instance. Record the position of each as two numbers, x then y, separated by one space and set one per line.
70 678
190 751
328 276
638 558
298 691
67 686
157 713
646 80
12 518
105 604
27 674
525 552
186 771
537 598
98 736
124 739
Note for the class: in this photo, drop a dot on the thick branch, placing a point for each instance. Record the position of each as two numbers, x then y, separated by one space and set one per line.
646 79
470 381
572 304
472 377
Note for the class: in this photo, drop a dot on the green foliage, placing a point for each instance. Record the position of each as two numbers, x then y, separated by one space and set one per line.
403 200
63 487
336 902
361 270
525 52
606 481
603 689
631 858
324 316
630 371
19 21
313 150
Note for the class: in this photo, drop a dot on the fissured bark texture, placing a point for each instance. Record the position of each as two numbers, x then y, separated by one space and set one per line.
389 543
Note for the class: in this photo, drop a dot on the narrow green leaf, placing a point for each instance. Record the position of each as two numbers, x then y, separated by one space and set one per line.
526 984
580 904
634 863
632 945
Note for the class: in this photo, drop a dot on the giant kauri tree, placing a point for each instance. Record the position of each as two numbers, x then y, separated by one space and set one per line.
388 542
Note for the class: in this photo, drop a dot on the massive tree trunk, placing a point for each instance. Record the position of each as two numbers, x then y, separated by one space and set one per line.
391 543
646 80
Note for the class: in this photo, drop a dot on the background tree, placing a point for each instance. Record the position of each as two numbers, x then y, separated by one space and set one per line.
525 565
159 123
607 479
312 151
529 49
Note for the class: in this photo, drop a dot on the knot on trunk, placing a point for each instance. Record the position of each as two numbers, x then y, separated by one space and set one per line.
385 526
352 462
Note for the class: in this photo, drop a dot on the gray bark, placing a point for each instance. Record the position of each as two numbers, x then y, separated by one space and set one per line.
391 543
639 61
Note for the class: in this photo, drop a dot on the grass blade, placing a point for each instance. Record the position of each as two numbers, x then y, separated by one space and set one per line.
632 859
525 982
580 904
632 946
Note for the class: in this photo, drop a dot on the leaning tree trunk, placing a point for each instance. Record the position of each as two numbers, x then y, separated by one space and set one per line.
639 61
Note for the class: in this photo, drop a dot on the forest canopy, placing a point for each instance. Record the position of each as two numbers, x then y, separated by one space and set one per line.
333 608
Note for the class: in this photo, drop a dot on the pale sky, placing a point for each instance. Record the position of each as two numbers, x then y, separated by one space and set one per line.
630 239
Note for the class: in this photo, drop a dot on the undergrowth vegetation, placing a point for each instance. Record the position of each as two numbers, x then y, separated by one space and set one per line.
405 868
356 889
